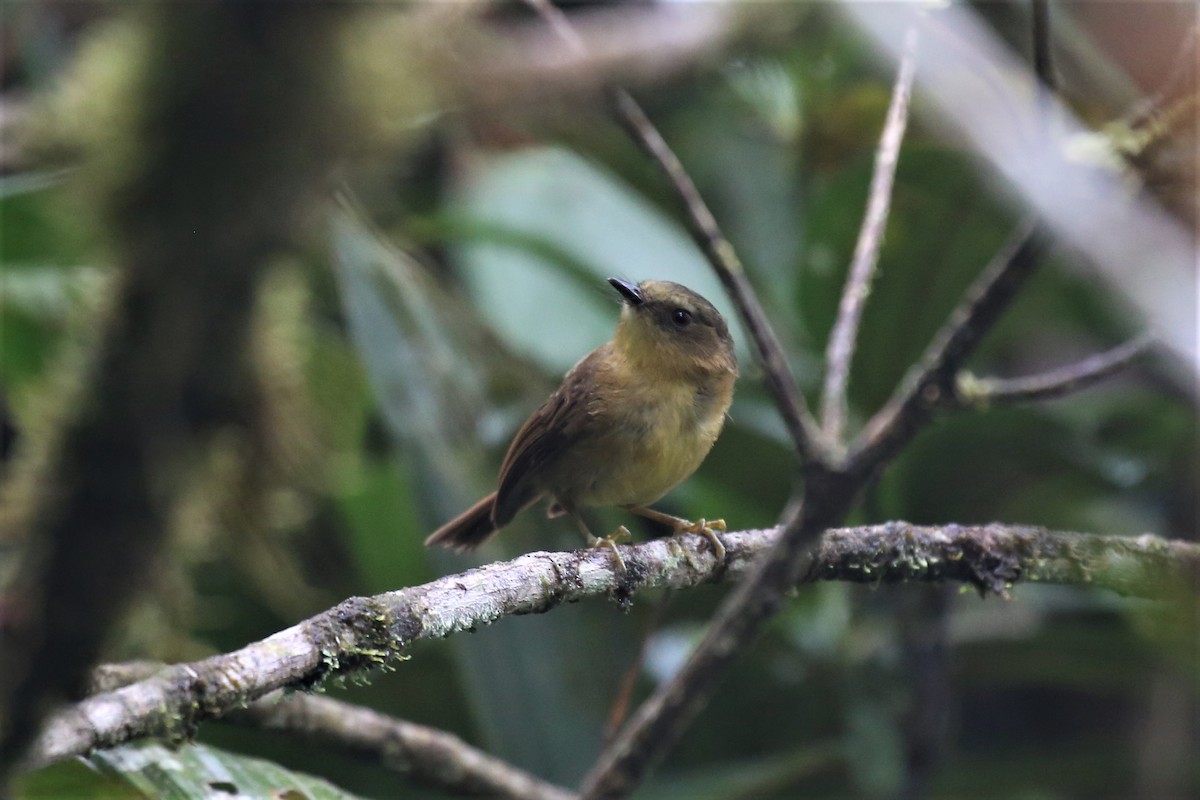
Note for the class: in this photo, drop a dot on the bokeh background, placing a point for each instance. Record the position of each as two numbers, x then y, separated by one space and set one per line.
453 268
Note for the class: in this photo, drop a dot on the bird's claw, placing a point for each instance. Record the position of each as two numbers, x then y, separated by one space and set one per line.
708 529
610 542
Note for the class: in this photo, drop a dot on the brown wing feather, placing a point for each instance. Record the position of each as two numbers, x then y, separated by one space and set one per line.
549 431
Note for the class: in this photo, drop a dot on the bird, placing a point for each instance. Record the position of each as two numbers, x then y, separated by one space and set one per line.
631 420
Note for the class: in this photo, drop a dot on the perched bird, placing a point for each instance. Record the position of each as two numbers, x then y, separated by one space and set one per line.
630 422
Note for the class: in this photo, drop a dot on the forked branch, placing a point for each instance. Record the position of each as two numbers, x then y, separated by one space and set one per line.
930 384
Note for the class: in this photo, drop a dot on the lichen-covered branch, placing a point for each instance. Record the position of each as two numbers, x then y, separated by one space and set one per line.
993 558
368 632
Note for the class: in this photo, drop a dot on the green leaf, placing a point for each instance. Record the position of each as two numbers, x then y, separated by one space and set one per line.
36 227
386 534
427 393
41 285
556 310
200 772
76 779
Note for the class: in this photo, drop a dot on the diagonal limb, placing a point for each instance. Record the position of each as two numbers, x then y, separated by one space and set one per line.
842 338
929 385
973 392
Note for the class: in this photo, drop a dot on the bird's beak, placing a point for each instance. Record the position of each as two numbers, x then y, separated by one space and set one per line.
629 292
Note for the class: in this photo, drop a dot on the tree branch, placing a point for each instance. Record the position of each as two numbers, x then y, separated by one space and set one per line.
369 632
930 383
973 392
840 351
829 490
426 754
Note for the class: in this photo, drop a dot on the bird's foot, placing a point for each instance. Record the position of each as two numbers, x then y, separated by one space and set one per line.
610 542
708 529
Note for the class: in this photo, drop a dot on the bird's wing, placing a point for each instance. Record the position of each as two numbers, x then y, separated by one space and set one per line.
549 431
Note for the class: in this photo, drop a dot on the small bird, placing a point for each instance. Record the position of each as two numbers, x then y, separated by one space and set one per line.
630 422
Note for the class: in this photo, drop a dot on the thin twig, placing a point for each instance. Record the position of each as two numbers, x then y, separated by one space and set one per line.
553 16
931 382
974 392
717 250
426 754
929 385
842 339
367 632
725 262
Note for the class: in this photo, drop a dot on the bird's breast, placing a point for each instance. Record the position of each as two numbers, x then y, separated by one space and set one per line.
648 440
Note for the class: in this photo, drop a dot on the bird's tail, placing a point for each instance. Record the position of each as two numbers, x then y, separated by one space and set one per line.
469 529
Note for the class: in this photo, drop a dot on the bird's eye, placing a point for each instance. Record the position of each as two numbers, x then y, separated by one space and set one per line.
681 317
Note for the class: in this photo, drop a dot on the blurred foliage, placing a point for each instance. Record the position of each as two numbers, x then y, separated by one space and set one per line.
153 771
464 275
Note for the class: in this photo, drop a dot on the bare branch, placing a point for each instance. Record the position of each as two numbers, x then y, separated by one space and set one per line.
716 248
973 392
367 632
840 352
427 754
930 383
965 82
